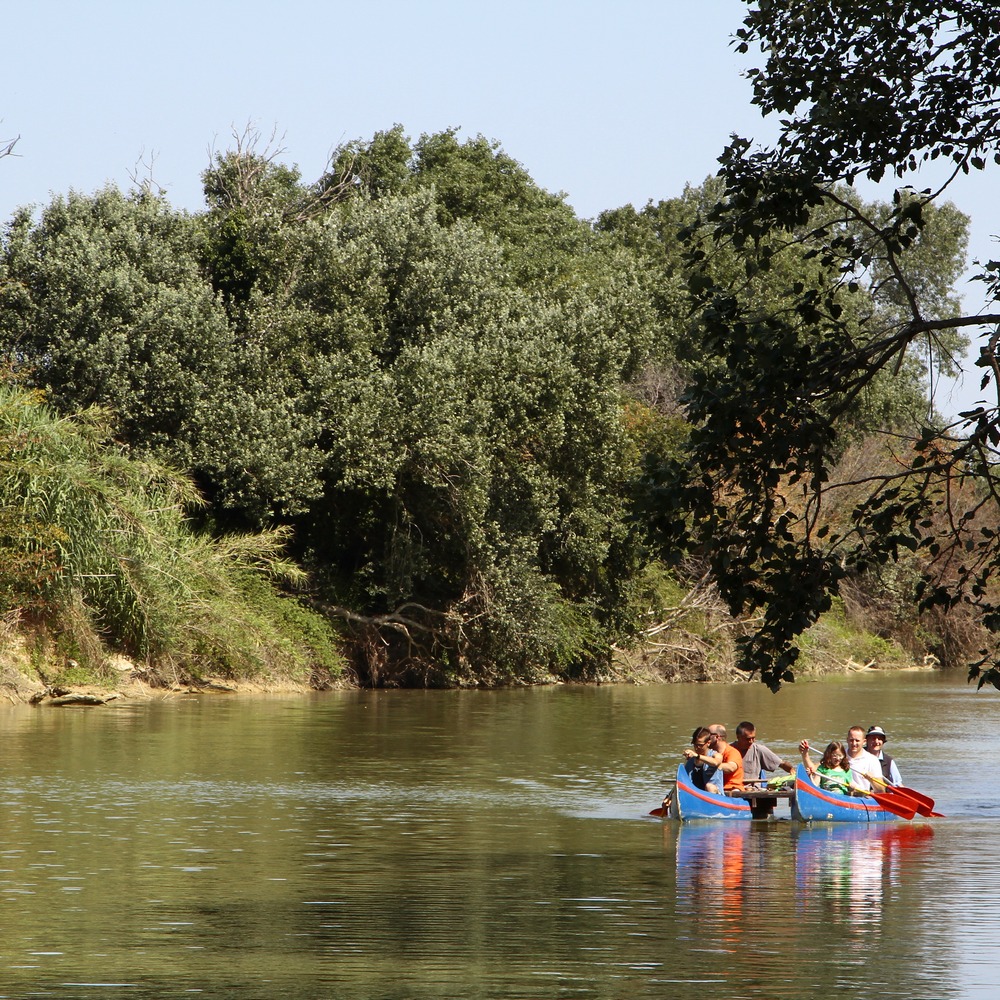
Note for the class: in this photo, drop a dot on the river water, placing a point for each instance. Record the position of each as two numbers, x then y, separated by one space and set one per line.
484 845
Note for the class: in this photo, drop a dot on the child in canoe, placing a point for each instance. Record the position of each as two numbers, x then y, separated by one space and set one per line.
832 773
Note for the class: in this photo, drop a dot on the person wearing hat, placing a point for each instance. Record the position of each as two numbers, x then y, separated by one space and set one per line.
875 739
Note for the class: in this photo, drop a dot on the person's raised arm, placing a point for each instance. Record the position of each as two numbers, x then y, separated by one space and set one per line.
806 759
709 756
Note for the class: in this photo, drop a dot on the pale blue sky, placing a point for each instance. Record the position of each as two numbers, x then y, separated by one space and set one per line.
610 103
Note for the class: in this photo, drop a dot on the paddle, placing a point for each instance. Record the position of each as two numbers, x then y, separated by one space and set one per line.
905 796
925 804
897 792
662 810
905 808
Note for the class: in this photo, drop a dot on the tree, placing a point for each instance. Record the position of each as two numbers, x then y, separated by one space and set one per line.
473 521
865 89
458 338
104 300
759 275
415 364
476 181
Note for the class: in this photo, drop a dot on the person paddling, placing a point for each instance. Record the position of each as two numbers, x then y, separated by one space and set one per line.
875 739
732 759
702 765
864 766
832 773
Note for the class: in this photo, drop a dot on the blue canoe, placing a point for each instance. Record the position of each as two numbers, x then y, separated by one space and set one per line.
809 803
690 802
812 804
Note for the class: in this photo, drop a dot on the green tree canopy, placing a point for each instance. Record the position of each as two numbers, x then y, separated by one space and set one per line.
105 301
864 89
473 437
474 181
416 364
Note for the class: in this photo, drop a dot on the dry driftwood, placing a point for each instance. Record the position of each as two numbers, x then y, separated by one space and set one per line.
59 697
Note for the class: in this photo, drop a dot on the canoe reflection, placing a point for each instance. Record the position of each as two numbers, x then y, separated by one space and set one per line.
847 869
712 878
736 872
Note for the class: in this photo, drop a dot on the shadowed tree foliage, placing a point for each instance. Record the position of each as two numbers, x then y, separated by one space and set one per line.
473 441
761 274
416 364
867 89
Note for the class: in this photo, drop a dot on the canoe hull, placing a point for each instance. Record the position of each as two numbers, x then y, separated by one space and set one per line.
809 804
815 805
689 802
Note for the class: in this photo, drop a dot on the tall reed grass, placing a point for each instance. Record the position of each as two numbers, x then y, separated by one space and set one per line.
98 555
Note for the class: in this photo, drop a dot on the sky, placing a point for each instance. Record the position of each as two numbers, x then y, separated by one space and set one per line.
607 103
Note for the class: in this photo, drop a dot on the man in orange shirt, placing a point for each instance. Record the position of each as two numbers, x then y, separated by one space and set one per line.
732 759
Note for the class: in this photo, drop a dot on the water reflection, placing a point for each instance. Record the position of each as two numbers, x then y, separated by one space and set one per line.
780 902
488 846
711 880
845 870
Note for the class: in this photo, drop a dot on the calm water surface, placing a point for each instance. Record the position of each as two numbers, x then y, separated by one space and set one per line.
480 845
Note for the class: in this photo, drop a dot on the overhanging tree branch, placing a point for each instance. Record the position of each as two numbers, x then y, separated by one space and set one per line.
865 88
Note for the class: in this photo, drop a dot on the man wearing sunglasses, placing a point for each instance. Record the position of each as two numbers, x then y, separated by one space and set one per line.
703 761
732 759
757 758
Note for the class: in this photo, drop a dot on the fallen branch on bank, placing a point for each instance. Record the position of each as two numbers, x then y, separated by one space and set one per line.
59 698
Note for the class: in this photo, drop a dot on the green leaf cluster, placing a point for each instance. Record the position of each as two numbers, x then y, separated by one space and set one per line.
859 305
100 557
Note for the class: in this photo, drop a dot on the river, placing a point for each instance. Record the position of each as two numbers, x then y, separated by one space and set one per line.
484 845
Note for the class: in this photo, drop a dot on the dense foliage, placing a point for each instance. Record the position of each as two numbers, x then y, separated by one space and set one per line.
457 405
870 89
421 376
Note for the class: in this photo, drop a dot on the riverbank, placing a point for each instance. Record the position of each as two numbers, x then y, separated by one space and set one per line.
23 682
17 688
22 686
831 648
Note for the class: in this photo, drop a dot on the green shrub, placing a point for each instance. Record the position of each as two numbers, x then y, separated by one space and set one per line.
97 553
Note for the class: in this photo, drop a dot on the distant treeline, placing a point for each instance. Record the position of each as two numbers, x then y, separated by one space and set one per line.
409 422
